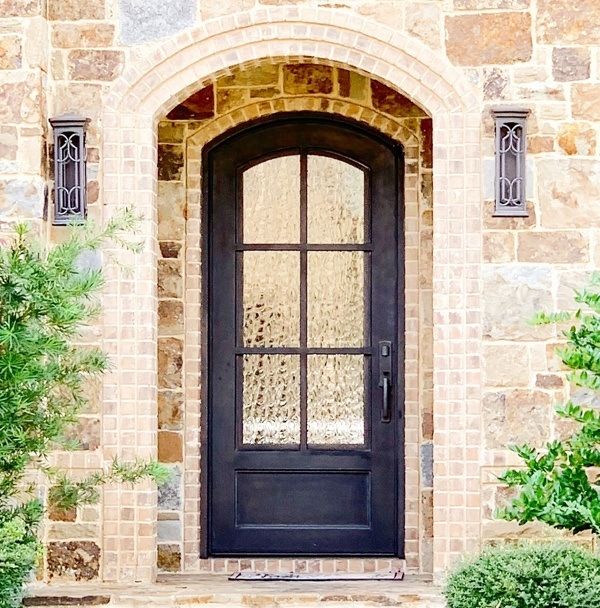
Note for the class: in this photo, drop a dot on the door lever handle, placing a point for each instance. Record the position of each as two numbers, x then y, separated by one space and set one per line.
386 414
385 379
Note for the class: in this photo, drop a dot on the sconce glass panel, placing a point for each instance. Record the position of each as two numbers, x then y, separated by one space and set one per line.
510 184
70 182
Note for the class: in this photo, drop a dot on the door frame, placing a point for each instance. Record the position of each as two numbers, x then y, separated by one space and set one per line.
206 228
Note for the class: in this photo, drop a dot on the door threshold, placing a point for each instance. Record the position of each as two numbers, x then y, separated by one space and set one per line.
250 575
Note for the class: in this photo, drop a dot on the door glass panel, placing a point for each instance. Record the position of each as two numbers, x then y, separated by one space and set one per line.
336 201
336 298
271 399
271 201
271 298
335 399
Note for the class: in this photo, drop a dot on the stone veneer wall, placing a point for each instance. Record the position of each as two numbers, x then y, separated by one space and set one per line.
245 94
63 55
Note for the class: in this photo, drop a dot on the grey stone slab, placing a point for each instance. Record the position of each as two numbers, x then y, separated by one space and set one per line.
427 465
143 21
169 494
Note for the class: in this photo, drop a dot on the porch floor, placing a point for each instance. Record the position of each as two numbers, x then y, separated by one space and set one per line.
215 590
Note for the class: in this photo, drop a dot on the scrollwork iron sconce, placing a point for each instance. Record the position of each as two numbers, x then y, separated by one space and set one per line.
510 147
70 180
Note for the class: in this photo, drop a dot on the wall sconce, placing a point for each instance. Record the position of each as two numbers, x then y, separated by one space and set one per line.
70 180
510 149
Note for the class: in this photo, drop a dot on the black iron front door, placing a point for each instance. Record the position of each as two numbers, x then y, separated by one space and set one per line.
304 383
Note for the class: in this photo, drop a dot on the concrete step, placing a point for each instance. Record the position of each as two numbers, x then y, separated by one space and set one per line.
214 591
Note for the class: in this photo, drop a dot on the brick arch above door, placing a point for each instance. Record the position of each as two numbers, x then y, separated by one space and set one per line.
155 85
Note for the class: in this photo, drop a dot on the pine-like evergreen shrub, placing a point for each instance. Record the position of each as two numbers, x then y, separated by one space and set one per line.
527 576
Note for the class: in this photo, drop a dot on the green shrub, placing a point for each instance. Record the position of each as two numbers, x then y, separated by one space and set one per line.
20 550
527 576
47 297
558 485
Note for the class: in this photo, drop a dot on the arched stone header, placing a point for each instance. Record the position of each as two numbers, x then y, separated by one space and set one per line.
155 84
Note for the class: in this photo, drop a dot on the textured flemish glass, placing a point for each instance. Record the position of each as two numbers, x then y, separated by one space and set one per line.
271 298
336 201
271 399
336 298
335 399
272 201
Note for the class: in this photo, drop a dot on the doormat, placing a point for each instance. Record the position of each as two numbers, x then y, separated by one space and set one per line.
250 575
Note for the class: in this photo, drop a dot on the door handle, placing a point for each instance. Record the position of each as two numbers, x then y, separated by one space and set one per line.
385 379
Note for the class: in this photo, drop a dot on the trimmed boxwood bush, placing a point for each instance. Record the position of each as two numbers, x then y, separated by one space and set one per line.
19 552
527 576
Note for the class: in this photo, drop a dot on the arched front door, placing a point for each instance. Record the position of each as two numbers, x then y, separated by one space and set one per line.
304 354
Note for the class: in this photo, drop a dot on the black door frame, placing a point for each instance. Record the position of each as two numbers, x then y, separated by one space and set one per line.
298 118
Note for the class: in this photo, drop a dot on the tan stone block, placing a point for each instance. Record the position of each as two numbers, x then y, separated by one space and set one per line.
352 85
515 417
86 432
92 389
58 65
554 362
553 247
170 363
171 162
95 64
55 514
10 52
489 38
476 5
170 279
511 296
506 364
307 78
36 46
572 63
61 531
8 143
426 258
540 144
20 102
568 282
549 381
390 14
262 75
93 191
424 20
217 8
78 97
74 10
171 132
229 99
540 91
170 410
586 101
77 35
20 8
391 102
498 247
170 446
569 192
568 22
577 138
264 93
171 211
